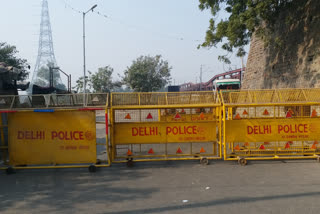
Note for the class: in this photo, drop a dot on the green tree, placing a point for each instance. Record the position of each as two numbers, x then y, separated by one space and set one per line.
245 18
8 55
99 82
123 89
147 74
79 84
102 80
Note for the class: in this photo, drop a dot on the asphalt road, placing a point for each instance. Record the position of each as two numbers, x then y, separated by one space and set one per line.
167 187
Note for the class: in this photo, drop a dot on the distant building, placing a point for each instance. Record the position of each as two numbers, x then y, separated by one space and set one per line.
173 88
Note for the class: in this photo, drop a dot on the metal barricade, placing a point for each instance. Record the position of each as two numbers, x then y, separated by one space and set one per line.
54 131
165 126
271 124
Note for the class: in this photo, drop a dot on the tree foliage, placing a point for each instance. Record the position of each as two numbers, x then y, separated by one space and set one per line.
147 74
8 55
79 84
245 18
99 82
102 80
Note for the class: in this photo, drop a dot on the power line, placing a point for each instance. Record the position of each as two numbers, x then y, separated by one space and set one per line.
135 27
67 5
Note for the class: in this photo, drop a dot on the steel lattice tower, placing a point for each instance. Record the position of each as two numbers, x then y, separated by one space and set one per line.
45 53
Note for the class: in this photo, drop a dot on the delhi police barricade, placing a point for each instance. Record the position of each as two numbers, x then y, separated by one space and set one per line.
165 126
271 124
52 131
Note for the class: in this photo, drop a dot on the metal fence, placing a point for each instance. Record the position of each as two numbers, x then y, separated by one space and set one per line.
165 126
53 131
237 125
271 124
19 102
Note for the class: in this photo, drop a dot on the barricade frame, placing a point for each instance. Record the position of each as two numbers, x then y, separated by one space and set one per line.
299 98
129 159
51 106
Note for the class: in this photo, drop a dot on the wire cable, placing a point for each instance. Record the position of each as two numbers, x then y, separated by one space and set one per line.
134 27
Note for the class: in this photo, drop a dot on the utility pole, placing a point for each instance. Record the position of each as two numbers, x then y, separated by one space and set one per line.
84 53
242 62
242 66
200 77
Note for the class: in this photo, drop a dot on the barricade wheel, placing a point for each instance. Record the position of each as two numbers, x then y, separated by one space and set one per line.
242 161
232 155
196 155
92 168
204 161
10 170
130 162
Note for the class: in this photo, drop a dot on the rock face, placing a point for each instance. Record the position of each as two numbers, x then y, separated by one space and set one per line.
291 59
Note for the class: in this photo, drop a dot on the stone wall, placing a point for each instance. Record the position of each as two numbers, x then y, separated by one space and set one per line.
291 58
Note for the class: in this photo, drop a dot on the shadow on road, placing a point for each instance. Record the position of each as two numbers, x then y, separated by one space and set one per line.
60 189
224 201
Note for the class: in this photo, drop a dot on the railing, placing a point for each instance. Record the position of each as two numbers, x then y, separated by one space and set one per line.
271 96
15 102
164 99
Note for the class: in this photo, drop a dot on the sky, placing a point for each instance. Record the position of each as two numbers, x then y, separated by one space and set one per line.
122 32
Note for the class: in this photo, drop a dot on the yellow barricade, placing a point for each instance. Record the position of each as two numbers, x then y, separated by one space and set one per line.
55 131
165 126
271 124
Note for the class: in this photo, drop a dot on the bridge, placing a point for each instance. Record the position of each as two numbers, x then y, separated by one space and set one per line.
208 86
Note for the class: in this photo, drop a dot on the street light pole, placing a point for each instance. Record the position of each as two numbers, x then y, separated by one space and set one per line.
84 60
84 53
200 77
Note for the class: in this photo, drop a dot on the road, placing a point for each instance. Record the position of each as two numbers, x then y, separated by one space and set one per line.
167 187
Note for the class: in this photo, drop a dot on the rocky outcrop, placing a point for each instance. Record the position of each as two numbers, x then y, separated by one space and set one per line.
291 59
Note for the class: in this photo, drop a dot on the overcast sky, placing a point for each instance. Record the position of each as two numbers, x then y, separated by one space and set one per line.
172 28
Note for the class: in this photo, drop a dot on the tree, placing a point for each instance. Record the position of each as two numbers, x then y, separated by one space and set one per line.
245 18
102 80
8 55
147 74
79 84
123 89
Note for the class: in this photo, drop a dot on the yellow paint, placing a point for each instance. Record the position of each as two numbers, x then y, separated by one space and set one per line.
171 117
176 123
139 133
3 144
61 137
139 100
265 130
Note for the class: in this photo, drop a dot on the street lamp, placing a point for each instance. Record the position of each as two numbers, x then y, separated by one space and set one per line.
84 53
